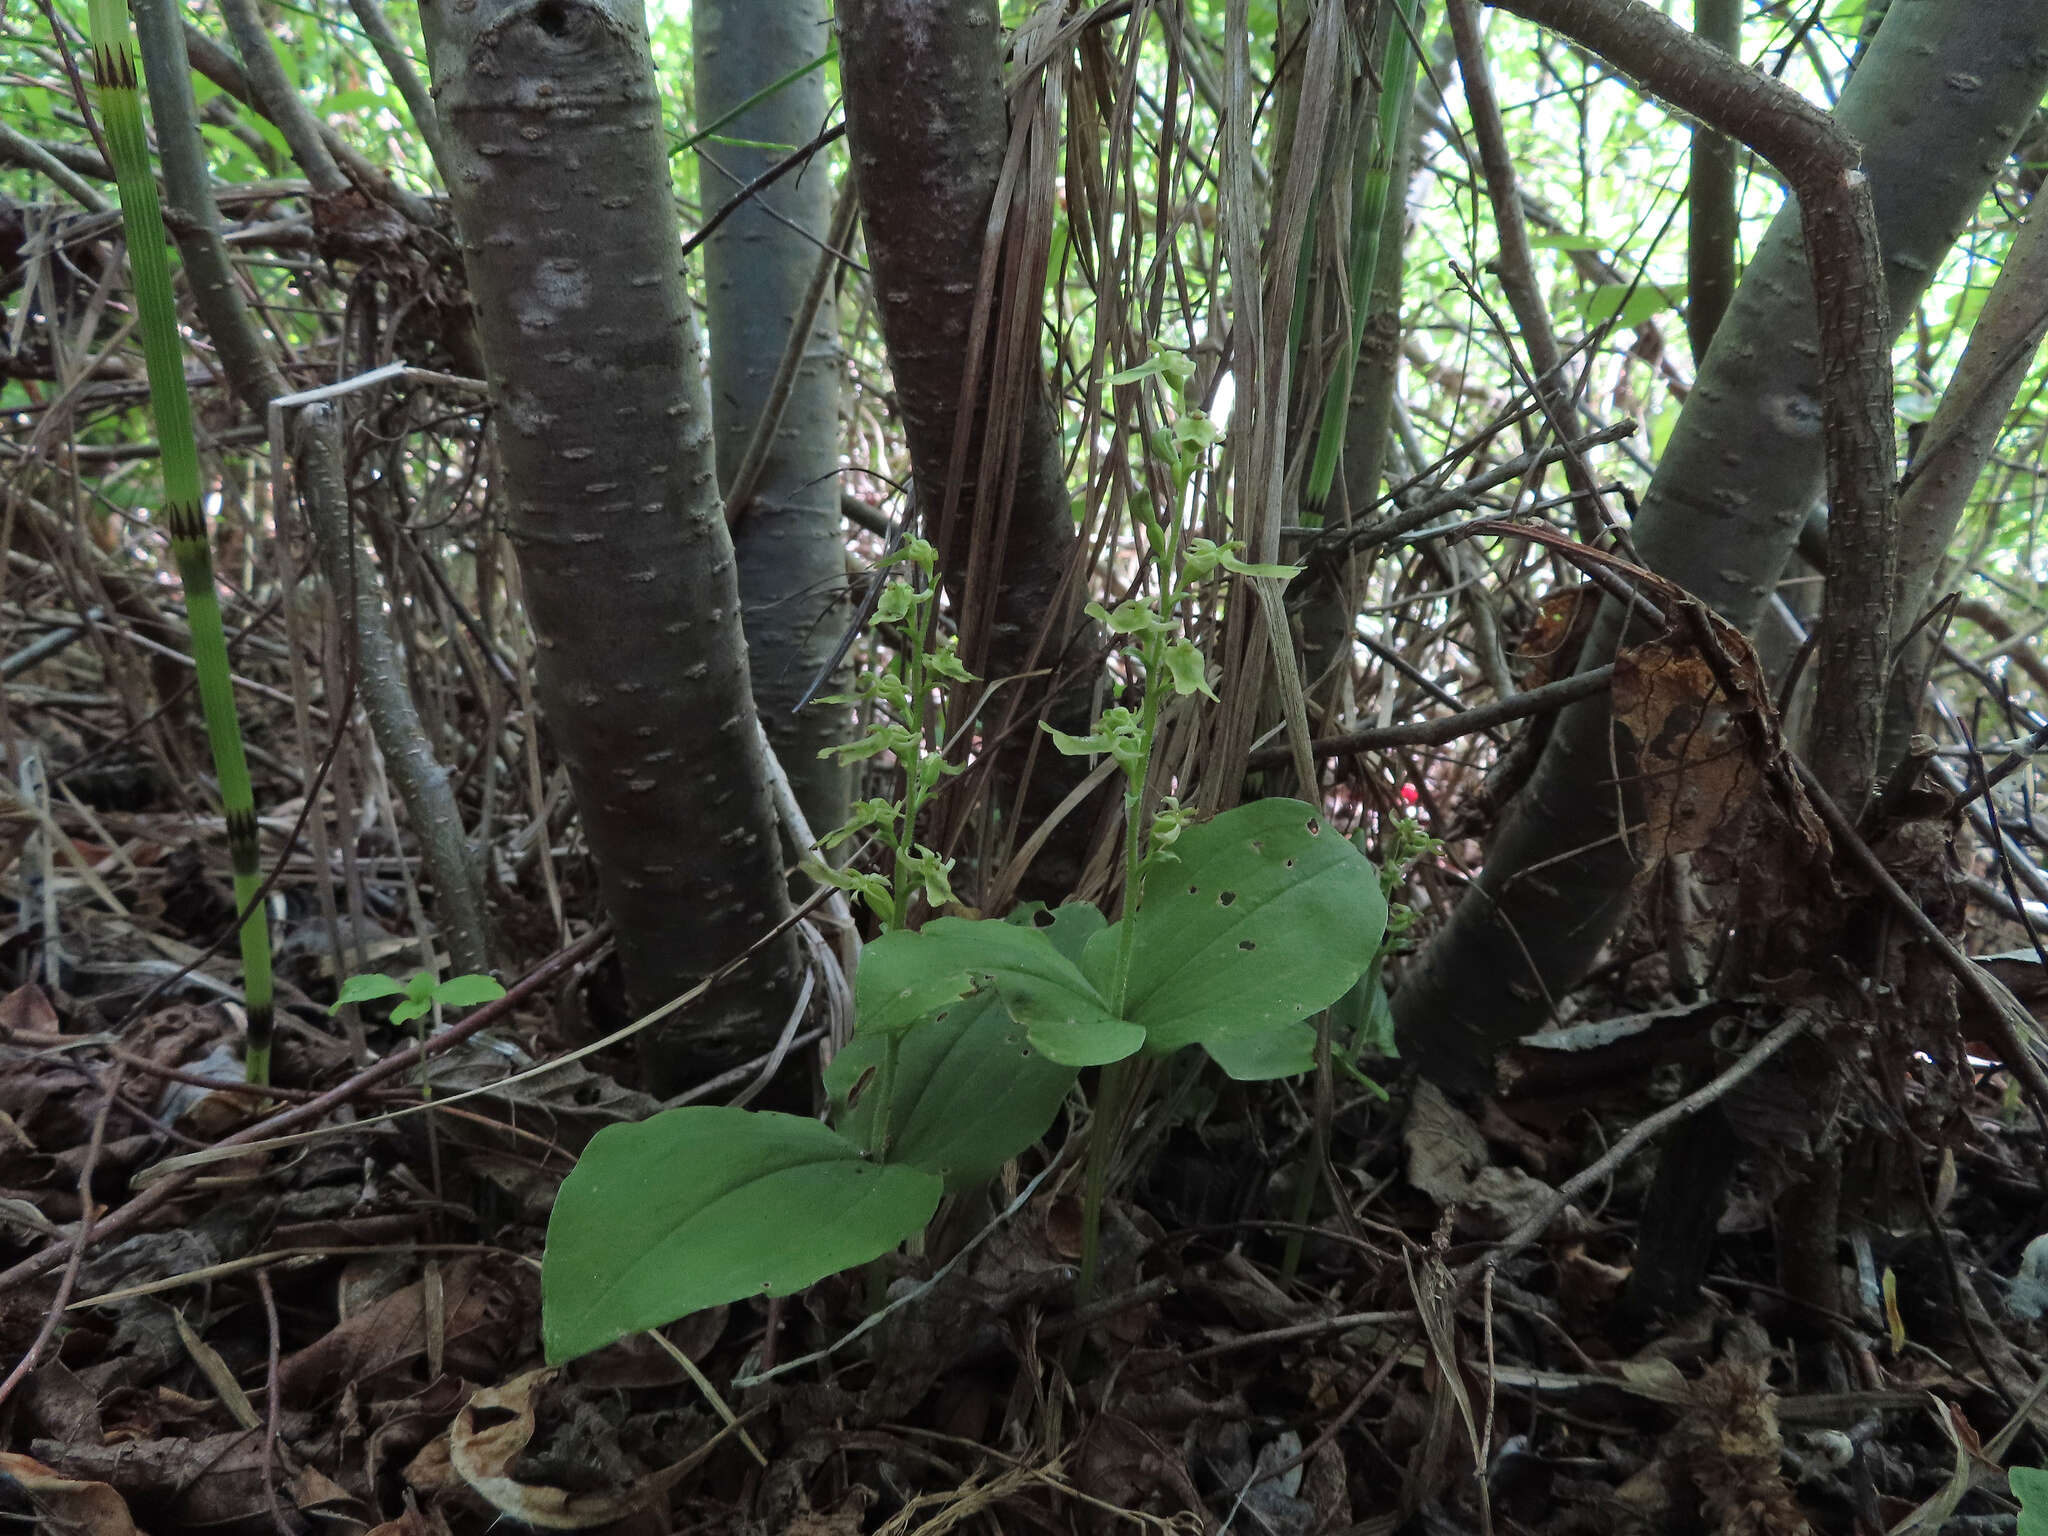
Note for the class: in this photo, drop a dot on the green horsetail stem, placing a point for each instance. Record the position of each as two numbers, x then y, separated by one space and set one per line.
1368 210
114 77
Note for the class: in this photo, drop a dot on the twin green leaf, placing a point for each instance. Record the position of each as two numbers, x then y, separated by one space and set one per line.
418 994
1254 923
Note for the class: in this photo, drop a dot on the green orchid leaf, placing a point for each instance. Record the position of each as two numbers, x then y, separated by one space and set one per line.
1266 917
2030 1486
1285 1050
700 1206
971 1093
1068 927
1230 562
971 1089
906 976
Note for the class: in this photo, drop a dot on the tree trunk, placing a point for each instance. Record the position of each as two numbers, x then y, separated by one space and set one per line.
758 268
559 177
1958 444
928 126
1937 105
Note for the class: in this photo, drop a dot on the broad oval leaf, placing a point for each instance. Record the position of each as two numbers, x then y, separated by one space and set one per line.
1279 1050
698 1206
971 1092
1265 917
906 976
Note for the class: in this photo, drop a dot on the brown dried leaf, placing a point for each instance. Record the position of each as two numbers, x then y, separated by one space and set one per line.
188 1483
1445 1149
412 1523
68 1506
1551 644
27 1010
481 1322
1693 771
484 1458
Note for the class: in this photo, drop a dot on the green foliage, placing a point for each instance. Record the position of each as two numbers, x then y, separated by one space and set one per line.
2030 1487
908 712
1262 918
971 1032
972 1091
700 1206
1628 305
418 993
970 1035
905 977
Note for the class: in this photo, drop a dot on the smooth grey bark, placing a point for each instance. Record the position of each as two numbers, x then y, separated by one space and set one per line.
552 124
422 783
1956 447
1711 219
758 268
1937 104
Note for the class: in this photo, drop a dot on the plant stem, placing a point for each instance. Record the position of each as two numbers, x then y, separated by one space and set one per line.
1134 832
885 1099
114 77
919 694
1109 1105
1109 1096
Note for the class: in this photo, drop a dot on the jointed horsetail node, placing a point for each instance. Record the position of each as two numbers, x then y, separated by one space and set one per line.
184 518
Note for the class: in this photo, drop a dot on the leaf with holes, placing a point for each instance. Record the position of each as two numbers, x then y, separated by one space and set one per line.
908 976
971 1089
1264 917
699 1206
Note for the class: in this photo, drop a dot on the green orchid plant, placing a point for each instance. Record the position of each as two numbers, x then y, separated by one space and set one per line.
1234 934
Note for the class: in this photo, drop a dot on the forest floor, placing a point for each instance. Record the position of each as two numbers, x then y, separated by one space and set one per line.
340 1333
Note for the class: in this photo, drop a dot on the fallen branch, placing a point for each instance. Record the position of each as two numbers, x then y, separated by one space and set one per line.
1466 722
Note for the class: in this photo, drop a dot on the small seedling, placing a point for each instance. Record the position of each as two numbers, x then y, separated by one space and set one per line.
418 994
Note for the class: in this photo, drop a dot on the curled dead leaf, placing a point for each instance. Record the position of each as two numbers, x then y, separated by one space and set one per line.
483 1457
